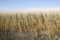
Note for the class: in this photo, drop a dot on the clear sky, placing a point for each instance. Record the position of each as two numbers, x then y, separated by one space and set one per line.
26 4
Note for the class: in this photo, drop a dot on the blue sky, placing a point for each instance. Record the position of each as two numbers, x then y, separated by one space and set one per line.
26 4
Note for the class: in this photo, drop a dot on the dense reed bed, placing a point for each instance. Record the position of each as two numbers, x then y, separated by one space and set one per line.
30 26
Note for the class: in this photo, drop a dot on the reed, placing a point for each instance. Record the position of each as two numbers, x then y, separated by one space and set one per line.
30 26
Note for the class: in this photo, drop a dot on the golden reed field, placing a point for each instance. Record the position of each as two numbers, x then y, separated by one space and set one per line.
30 25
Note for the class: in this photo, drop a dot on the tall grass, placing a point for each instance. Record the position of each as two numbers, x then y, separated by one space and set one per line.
32 26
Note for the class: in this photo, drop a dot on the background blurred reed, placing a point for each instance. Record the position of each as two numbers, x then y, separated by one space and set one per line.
32 26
